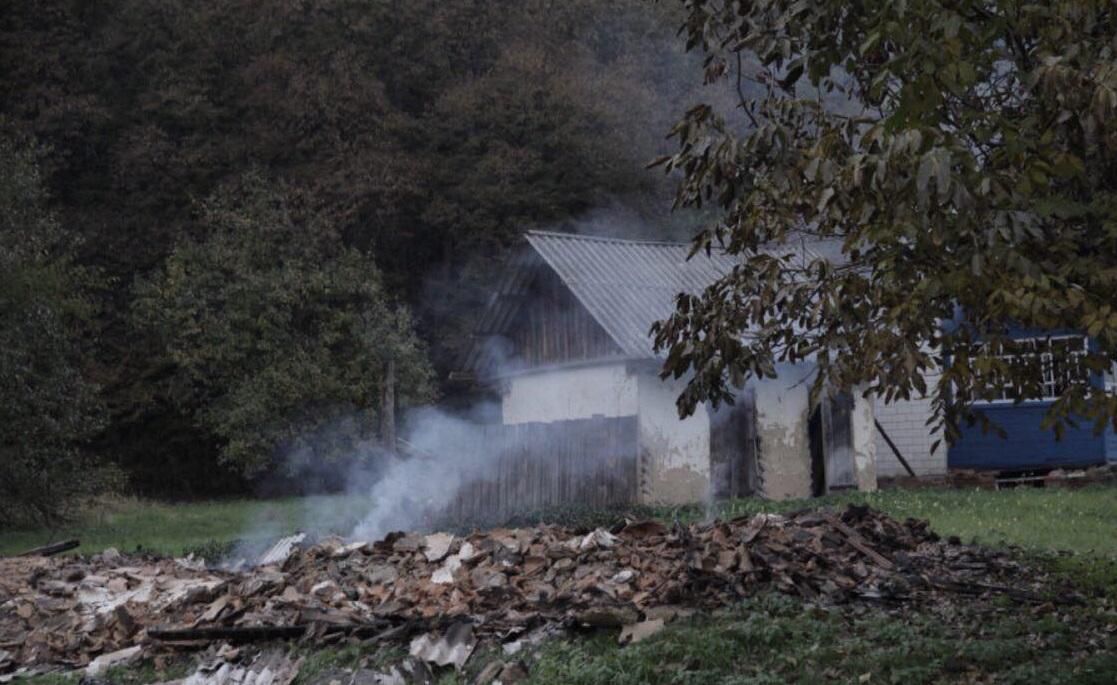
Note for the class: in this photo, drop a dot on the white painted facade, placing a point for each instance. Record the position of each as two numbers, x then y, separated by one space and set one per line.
674 462
783 410
782 428
571 392
674 453
863 436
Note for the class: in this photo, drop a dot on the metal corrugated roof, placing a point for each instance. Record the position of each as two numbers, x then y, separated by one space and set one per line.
627 285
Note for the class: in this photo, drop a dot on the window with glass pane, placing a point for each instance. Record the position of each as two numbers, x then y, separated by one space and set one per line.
1058 360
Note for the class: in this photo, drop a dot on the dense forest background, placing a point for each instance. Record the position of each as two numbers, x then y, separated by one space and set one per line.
257 204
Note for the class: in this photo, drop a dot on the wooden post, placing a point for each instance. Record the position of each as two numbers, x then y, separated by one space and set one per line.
388 406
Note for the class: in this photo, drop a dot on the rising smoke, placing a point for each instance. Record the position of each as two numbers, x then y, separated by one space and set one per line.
442 453
383 491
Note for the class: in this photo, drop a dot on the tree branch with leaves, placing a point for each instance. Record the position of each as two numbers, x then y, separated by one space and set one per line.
959 158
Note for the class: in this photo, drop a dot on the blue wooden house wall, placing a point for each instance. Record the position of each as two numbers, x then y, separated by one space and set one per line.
1028 445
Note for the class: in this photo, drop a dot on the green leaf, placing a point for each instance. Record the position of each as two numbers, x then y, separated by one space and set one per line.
869 43
824 199
923 176
942 172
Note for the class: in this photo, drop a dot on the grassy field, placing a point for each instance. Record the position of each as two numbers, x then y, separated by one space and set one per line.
130 525
1033 518
773 639
777 639
764 640
1038 519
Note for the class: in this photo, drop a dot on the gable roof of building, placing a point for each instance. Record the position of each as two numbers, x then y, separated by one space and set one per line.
625 285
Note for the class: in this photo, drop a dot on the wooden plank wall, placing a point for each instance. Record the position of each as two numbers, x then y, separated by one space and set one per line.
536 466
837 429
831 443
553 327
733 448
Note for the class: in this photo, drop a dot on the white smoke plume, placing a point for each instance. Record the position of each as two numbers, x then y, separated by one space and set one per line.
442 455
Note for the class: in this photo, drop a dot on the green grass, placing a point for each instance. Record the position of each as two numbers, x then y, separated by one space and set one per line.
130 525
775 638
1039 519
1082 520
778 639
142 673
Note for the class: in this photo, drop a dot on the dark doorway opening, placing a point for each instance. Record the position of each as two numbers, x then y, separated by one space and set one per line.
831 445
733 471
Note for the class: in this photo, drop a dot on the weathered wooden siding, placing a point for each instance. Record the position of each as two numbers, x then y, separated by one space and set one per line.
553 327
733 448
590 462
832 463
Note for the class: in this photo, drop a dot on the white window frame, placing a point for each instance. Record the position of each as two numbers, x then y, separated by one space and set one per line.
1051 384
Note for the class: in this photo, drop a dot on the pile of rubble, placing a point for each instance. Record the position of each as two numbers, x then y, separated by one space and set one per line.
502 585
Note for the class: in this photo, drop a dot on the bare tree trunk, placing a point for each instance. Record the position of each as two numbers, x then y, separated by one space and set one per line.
388 406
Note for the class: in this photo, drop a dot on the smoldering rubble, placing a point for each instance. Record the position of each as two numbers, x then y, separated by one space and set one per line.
440 594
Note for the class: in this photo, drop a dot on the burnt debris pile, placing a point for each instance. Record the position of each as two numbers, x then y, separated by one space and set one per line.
505 584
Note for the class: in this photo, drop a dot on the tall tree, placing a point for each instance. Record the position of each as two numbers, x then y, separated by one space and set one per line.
961 155
277 333
48 409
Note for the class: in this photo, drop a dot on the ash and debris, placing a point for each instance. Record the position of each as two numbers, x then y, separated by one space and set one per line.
439 594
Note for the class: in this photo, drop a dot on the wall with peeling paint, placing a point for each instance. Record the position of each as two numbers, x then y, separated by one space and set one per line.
675 453
863 433
783 436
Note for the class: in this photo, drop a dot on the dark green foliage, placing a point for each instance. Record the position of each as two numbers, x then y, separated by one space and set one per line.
428 134
47 407
960 155
278 334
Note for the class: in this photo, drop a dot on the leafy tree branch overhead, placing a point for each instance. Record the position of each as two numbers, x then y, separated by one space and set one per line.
962 154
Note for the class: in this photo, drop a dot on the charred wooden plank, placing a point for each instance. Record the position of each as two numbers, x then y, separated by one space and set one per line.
51 550
231 633
860 544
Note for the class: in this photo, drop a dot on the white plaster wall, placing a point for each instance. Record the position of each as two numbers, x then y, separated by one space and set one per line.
570 393
863 431
782 418
675 453
905 421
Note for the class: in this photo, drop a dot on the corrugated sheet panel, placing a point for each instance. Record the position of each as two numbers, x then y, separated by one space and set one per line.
627 285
